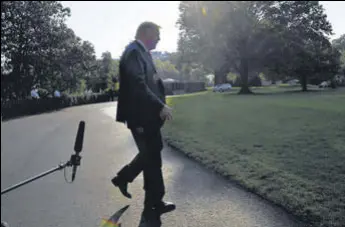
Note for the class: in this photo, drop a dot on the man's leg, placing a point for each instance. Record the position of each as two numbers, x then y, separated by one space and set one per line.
129 172
149 160
152 171
133 169
153 176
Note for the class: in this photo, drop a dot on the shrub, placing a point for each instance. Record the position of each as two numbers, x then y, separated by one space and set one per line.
17 108
43 93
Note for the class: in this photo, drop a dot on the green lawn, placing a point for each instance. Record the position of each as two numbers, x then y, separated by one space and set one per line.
289 147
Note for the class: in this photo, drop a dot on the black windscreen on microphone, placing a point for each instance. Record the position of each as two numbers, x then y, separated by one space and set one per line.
80 137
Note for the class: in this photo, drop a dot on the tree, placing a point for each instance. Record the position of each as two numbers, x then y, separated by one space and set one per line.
197 43
165 69
105 74
198 73
225 36
281 38
75 62
174 59
302 27
342 60
27 35
37 48
339 44
106 70
244 31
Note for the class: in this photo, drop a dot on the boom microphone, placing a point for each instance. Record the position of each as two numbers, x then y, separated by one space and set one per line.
80 137
75 159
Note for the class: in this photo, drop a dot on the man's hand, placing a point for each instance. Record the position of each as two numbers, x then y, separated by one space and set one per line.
166 113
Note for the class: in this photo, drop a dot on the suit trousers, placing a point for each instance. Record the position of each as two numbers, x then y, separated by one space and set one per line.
148 160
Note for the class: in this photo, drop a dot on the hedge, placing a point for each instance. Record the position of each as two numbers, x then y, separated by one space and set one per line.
17 108
187 87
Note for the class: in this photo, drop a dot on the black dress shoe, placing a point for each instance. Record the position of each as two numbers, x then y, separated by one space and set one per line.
165 207
122 186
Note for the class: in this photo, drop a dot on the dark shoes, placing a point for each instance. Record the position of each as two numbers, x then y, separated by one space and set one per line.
163 207
122 186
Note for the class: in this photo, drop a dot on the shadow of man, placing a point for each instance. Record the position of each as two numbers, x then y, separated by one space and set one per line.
113 221
148 220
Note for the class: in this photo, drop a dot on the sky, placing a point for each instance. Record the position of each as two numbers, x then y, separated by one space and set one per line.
110 26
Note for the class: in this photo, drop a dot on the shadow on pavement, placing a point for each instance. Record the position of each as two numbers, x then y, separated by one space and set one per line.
113 221
153 220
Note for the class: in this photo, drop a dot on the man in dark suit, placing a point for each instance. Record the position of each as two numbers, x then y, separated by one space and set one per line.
142 107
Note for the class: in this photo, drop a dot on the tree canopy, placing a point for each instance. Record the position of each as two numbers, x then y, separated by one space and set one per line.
281 38
339 44
38 49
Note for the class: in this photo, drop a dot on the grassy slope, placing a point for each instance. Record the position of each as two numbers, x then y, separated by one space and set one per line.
289 148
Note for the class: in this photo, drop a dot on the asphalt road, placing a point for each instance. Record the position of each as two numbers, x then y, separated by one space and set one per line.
34 144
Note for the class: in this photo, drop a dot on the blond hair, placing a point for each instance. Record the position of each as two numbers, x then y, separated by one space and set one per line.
145 27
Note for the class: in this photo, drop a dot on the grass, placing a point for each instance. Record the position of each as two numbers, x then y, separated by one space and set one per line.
284 145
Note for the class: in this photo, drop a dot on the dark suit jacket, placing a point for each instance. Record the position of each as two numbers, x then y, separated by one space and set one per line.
140 97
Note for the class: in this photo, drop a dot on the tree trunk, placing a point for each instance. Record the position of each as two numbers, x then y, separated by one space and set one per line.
219 76
304 82
244 78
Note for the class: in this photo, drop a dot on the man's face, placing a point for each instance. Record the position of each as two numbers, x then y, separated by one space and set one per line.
153 37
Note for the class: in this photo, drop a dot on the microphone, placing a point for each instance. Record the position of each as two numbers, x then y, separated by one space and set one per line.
75 159
79 138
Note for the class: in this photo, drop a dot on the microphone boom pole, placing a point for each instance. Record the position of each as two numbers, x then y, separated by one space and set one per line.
60 167
74 161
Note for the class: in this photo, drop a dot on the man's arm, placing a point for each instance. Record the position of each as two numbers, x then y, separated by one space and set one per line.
136 74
